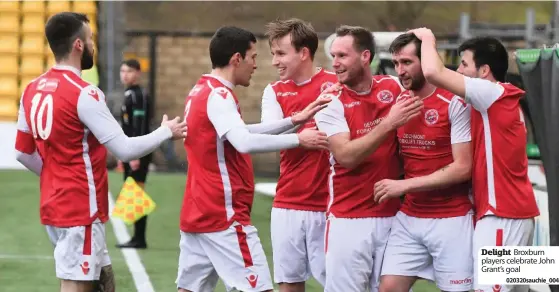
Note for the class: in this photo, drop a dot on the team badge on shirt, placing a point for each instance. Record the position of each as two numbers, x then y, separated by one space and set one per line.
385 96
431 116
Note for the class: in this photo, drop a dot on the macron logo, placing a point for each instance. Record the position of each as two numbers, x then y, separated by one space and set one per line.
252 280
85 267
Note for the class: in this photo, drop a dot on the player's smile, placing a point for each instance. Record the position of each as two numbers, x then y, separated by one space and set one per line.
341 73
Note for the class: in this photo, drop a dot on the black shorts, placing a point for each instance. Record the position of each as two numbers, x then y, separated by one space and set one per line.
140 174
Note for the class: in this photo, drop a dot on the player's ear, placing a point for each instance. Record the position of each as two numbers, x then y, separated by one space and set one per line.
365 56
484 71
78 44
305 53
236 59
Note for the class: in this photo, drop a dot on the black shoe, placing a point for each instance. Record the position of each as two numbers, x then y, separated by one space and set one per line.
133 244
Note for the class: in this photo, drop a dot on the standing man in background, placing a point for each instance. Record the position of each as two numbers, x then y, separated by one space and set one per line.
135 120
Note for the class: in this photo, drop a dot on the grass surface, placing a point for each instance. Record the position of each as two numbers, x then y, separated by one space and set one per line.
26 262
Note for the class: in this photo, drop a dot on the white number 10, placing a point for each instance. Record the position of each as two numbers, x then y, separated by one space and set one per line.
37 117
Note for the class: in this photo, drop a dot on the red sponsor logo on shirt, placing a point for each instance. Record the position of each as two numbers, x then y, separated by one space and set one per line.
223 92
93 93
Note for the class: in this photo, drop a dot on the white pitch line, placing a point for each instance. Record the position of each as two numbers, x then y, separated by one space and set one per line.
25 257
133 261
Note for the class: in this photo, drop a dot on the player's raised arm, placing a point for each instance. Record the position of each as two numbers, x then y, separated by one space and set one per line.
350 153
26 150
433 68
94 113
222 112
480 93
460 170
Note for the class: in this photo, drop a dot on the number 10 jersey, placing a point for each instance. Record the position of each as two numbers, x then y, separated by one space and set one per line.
74 186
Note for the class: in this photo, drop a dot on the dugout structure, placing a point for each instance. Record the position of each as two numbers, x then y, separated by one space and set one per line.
539 69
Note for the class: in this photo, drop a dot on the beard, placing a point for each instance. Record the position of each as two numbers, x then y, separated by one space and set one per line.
354 76
416 82
87 59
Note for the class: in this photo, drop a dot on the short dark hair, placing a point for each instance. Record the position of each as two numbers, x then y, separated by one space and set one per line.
62 29
302 33
488 51
132 63
227 41
362 38
403 40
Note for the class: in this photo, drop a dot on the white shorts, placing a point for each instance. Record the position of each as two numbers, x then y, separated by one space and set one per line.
354 252
436 249
79 252
298 245
495 231
235 255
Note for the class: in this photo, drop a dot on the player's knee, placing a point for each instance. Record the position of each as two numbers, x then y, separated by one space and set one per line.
389 283
292 287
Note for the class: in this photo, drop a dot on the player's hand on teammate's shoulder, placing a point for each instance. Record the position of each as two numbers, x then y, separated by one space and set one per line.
333 89
309 112
177 127
311 138
388 189
403 111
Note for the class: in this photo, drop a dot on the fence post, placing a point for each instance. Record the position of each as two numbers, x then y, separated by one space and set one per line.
152 68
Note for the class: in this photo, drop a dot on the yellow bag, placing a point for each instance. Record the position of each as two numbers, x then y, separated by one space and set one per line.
132 203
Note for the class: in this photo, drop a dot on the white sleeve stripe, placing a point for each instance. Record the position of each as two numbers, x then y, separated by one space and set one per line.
72 81
444 98
210 85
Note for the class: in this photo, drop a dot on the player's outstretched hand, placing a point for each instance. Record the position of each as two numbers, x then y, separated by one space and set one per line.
388 189
403 111
309 112
311 138
177 127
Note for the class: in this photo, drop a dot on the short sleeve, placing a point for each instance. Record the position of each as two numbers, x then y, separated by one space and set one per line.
271 109
481 93
331 119
25 142
222 111
459 116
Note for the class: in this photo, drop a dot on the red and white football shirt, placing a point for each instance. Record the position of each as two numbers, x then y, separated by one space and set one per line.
220 180
500 180
352 190
303 181
73 182
426 146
